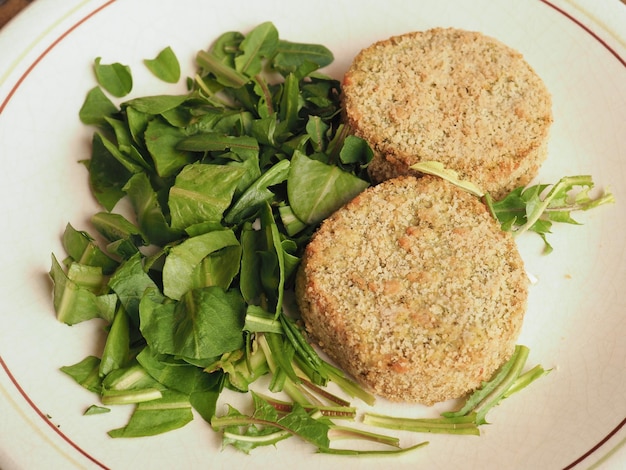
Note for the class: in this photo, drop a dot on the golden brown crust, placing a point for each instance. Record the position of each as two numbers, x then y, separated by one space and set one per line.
454 96
414 290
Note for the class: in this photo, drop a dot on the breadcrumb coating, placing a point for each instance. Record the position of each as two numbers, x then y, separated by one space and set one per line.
454 96
414 290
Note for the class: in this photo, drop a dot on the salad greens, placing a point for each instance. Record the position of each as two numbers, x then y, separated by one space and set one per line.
535 208
209 198
205 214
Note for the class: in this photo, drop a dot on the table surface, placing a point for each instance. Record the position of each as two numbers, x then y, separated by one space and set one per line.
10 8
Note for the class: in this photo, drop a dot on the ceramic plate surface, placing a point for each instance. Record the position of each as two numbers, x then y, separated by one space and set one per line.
576 320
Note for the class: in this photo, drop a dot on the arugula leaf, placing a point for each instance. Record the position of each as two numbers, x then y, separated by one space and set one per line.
202 192
535 208
205 324
76 292
265 427
316 189
96 108
86 373
171 411
114 78
438 169
290 56
165 65
96 410
184 267
116 353
259 43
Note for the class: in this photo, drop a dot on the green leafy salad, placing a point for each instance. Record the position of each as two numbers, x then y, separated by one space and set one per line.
208 199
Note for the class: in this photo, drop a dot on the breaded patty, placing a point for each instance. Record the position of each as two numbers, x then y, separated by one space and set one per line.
454 96
414 290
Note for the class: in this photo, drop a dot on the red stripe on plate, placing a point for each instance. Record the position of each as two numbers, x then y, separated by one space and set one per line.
47 50
45 418
3 105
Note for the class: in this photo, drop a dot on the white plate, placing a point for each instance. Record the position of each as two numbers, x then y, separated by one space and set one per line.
576 322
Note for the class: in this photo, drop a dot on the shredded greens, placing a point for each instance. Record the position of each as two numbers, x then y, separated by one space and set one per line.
226 183
209 198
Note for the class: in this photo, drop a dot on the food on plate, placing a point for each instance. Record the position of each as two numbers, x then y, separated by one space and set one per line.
453 96
414 289
208 201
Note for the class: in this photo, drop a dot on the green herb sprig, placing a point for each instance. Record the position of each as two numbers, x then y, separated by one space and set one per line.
536 208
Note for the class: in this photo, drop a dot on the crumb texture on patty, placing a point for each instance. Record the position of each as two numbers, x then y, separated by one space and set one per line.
414 290
454 96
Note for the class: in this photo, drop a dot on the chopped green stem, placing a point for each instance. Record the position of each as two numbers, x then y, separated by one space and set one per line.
294 391
299 342
342 412
259 321
224 421
482 393
269 438
348 386
526 379
452 425
380 453
125 397
325 393
498 392
344 432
